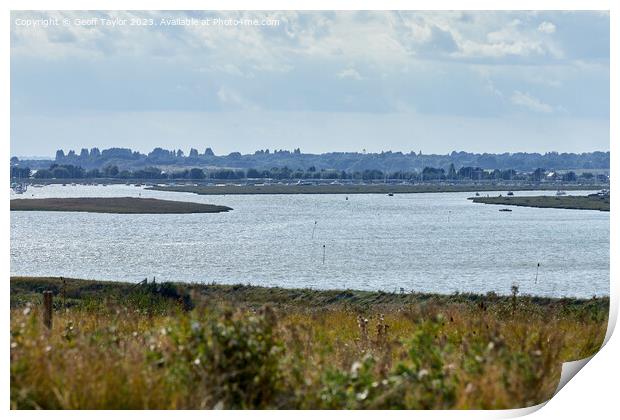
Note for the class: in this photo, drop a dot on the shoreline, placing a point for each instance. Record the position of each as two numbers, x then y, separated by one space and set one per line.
114 205
563 202
358 189
260 295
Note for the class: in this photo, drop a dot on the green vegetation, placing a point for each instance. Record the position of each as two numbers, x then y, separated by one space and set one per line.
118 345
563 202
347 188
296 160
123 205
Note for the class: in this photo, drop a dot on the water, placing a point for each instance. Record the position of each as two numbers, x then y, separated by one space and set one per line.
438 242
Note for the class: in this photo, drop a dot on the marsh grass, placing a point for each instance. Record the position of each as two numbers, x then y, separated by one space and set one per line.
167 346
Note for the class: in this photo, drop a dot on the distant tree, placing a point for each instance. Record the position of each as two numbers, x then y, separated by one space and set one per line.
160 155
84 154
538 174
71 154
20 172
587 175
297 151
252 173
180 153
60 154
60 172
430 173
117 153
111 171
193 153
43 174
94 152
569 177
14 160
508 174
196 173
93 173
209 152
451 172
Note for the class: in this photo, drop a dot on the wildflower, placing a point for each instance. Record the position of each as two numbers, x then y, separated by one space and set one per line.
422 373
26 310
162 331
491 346
469 388
13 345
537 353
48 349
361 395
197 362
135 333
355 367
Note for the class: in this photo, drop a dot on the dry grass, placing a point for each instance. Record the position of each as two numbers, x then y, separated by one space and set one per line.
186 346
564 202
118 205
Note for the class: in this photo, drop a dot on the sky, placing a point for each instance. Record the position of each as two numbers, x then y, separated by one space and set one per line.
321 81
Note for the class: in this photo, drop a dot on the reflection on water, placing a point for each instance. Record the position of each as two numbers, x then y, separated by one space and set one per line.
424 242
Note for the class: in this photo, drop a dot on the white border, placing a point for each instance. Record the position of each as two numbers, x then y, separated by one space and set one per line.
592 393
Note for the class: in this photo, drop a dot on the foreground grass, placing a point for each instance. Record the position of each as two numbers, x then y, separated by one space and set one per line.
563 202
122 205
116 345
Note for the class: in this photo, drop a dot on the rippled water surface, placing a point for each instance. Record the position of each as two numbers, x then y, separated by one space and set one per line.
438 242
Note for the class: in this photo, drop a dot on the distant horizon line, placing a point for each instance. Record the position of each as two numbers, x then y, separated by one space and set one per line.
274 151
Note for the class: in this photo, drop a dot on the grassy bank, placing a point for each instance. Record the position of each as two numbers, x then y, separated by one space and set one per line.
357 188
562 202
118 345
122 205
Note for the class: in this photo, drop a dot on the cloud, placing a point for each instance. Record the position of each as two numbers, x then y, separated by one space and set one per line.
530 102
349 73
546 27
367 61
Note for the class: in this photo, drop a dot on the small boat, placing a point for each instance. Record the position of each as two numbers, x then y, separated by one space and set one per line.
19 188
510 193
390 194
505 210
477 194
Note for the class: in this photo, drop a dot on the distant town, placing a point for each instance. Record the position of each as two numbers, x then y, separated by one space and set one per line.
161 164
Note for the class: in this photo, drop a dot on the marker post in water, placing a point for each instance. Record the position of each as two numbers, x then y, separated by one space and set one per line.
536 279
323 253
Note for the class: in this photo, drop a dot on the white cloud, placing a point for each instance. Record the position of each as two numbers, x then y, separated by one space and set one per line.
528 101
546 27
350 73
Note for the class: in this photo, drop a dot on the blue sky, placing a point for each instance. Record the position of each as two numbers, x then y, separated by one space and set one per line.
322 81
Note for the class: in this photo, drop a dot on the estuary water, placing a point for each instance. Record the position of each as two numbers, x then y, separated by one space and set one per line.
436 242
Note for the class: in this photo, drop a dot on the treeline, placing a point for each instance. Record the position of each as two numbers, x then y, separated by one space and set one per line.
57 171
386 161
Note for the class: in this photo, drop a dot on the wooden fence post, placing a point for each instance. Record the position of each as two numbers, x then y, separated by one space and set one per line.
47 309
